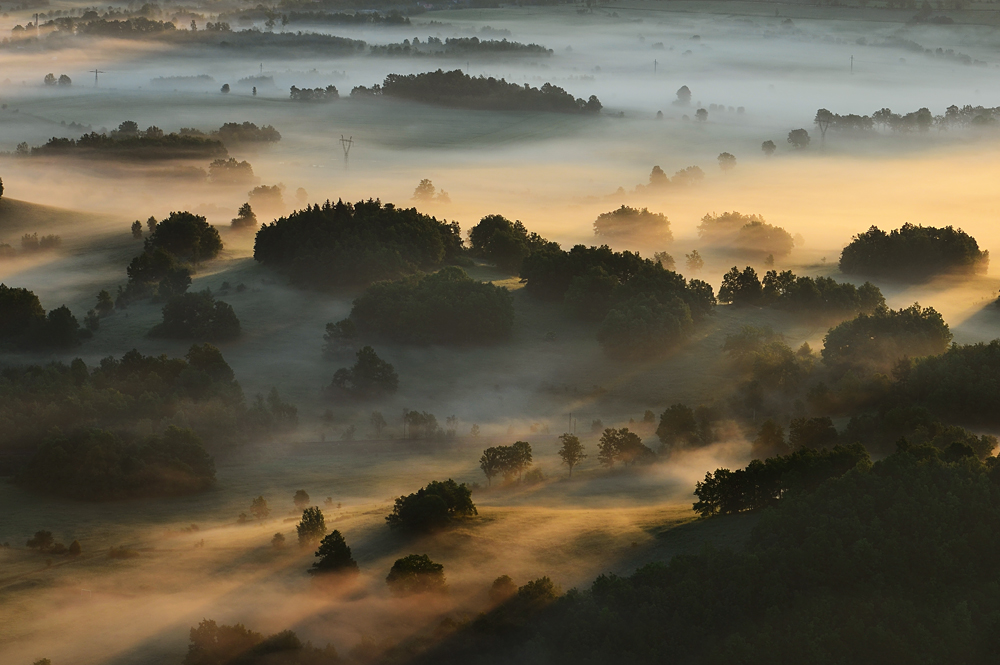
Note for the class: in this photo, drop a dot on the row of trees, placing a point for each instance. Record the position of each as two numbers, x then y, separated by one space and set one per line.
820 296
327 94
459 46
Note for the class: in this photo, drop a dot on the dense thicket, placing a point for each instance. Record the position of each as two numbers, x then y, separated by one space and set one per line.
456 88
626 222
342 244
961 384
874 342
214 644
819 296
901 571
25 325
503 243
100 464
149 144
445 307
914 253
198 316
746 234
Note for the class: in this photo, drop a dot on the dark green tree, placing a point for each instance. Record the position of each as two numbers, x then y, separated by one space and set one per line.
414 574
312 527
369 378
571 451
334 556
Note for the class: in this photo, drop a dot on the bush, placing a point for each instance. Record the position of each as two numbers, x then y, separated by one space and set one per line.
416 573
198 316
447 307
432 507
914 253
342 244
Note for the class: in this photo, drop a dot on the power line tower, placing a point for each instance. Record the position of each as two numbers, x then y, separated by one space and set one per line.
95 73
346 145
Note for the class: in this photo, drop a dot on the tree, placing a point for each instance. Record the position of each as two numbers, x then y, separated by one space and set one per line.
768 147
225 88
678 428
799 138
502 589
519 457
621 445
492 463
634 222
334 556
813 433
196 316
50 79
259 509
278 541
571 451
770 441
137 230
185 235
474 430
65 80
693 261
342 334
642 326
245 219
741 288
369 378
701 115
414 574
425 191
432 507
312 527
683 96
41 541
378 423
503 243
75 549
301 499
823 119
727 161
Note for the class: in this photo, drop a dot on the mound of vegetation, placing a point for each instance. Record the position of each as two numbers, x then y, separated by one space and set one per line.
432 507
634 223
503 243
343 244
820 296
457 89
447 307
645 309
214 644
135 394
24 324
100 464
129 142
197 316
914 253
900 568
165 266
874 342
746 234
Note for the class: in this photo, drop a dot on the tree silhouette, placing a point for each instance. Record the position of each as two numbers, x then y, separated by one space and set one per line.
312 527
415 573
799 138
571 451
768 147
334 556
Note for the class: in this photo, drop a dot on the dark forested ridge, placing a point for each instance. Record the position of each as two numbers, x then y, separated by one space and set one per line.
340 244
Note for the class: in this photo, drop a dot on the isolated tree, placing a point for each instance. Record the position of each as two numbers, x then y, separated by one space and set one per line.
278 541
693 261
768 147
683 96
502 589
370 377
415 573
658 178
378 423
678 427
50 79
312 527
432 507
245 218
75 549
425 191
137 230
41 541
727 161
823 120
492 463
225 88
770 441
259 509
65 80
474 430
151 224
105 305
701 115
301 499
799 138
571 451
334 556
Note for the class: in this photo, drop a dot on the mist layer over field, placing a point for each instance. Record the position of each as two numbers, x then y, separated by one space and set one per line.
760 71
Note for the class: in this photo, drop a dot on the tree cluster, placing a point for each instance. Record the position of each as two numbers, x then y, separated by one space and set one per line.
624 447
25 325
369 378
458 89
197 316
745 234
343 244
634 223
914 253
432 507
820 296
327 94
458 46
506 461
446 307
503 243
215 644
683 428
129 142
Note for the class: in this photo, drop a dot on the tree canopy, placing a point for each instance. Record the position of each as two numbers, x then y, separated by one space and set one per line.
626 222
914 253
369 378
503 243
432 507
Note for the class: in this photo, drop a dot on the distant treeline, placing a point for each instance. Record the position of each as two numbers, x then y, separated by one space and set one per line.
366 19
150 144
920 120
327 94
458 46
455 88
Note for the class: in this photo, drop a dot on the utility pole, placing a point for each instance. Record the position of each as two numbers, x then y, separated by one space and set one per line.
852 64
346 145
96 72
654 66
